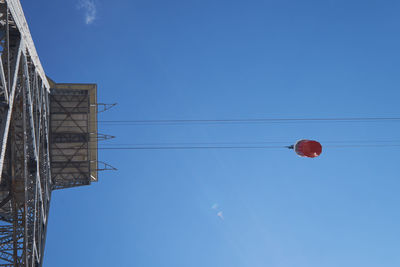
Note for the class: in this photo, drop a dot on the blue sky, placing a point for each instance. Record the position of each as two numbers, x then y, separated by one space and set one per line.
230 59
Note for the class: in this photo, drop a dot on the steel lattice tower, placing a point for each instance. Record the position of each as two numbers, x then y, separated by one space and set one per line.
48 137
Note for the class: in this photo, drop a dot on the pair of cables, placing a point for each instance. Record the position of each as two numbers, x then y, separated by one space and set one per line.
245 121
245 145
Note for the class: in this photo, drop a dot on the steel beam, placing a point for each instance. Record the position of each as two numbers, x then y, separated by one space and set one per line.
25 185
25 173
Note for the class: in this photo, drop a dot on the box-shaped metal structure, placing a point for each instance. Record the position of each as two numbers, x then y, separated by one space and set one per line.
73 134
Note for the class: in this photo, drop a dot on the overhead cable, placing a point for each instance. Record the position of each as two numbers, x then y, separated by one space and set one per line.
244 121
232 147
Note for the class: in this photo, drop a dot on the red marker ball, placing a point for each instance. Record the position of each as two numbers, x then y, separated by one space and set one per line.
308 148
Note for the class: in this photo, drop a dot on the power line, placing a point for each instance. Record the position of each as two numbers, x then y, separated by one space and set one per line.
234 147
187 147
368 145
245 143
250 120
241 145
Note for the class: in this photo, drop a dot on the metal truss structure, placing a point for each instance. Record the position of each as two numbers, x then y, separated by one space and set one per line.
31 143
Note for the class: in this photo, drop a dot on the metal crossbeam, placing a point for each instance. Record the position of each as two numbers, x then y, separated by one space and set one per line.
18 16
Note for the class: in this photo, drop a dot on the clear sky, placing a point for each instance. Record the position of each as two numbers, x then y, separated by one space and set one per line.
186 59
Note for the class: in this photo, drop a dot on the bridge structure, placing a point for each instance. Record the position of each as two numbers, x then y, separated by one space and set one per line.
48 135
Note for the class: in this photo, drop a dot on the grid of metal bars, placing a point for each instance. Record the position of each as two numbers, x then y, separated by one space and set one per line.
70 138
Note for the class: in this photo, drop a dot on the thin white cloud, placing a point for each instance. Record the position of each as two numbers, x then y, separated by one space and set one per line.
90 10
216 207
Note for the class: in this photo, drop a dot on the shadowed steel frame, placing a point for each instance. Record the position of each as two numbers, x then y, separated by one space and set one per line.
26 133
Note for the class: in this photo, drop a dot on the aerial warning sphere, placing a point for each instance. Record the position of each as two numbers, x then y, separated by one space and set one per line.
308 148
